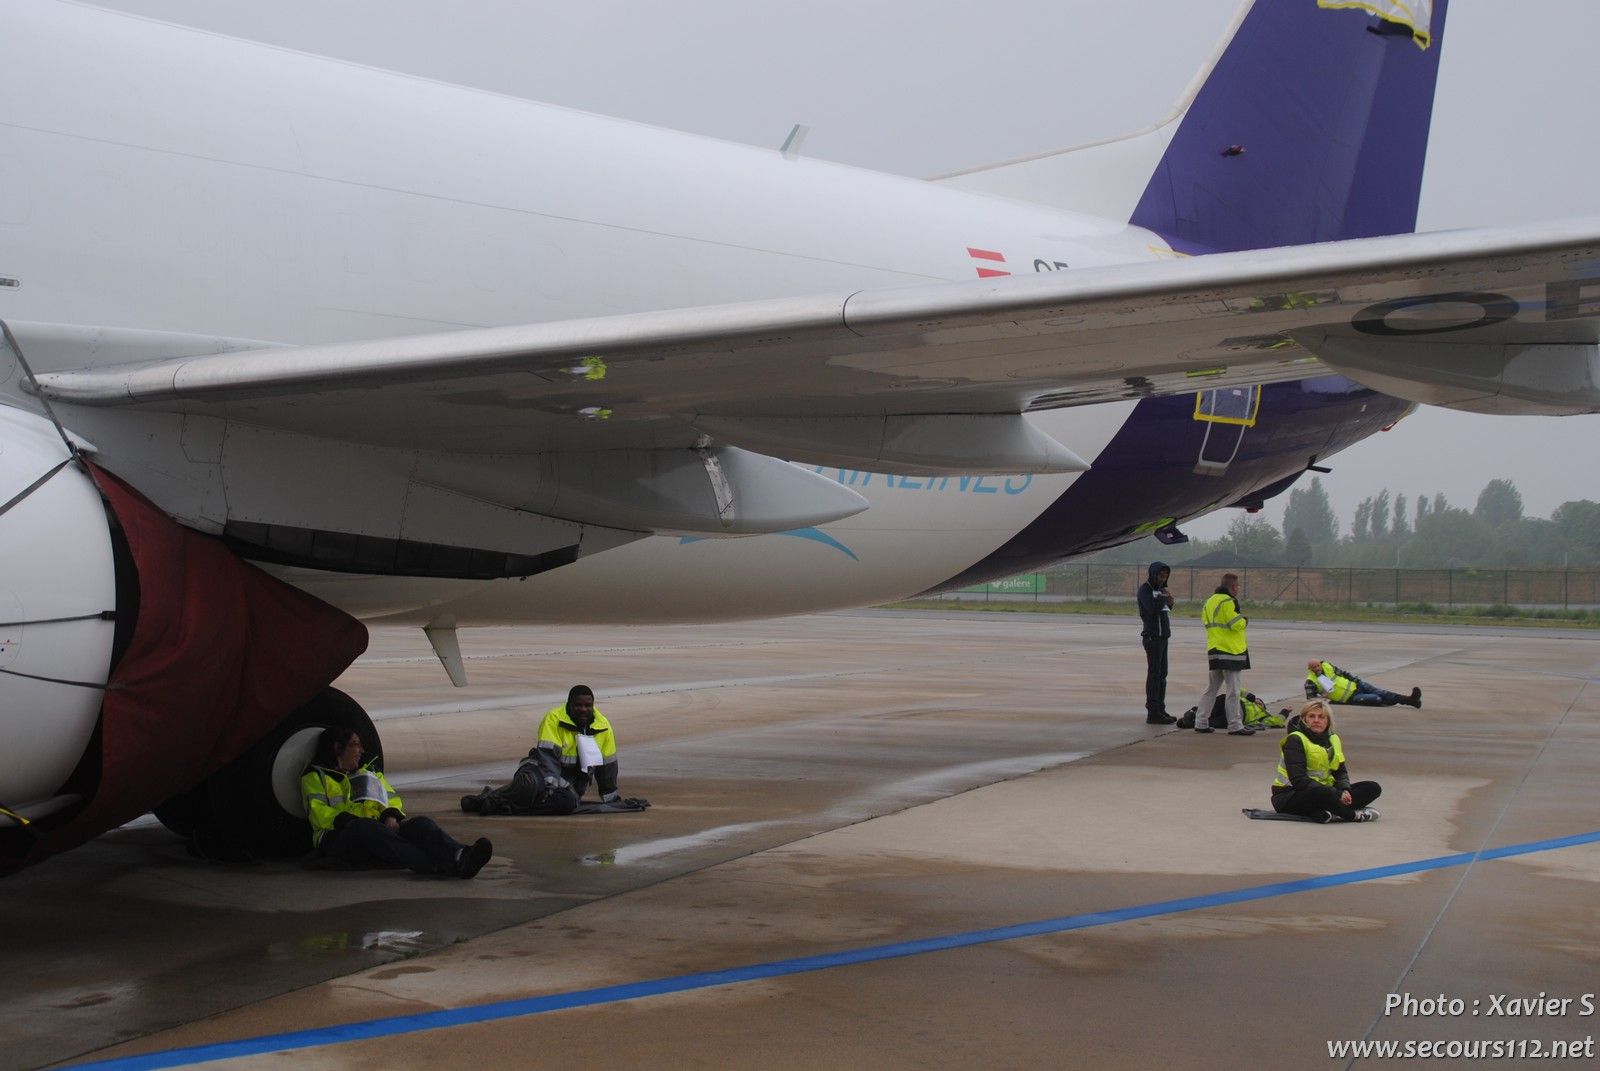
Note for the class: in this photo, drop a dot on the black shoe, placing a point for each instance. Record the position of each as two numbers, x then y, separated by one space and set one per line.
1416 698
472 804
473 856
1241 732
1159 719
1323 816
1204 729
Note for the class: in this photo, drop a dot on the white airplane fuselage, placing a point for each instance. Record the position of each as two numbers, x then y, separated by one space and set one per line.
364 203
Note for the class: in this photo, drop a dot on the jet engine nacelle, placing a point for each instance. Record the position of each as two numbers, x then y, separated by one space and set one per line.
143 663
58 593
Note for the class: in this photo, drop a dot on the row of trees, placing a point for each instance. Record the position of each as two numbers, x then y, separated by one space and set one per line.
1421 532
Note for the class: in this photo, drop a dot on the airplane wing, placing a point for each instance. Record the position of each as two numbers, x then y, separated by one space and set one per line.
933 378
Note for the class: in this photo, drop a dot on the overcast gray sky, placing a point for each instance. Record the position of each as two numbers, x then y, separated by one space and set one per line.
921 87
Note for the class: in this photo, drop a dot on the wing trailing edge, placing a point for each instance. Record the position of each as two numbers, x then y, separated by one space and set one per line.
760 370
1497 378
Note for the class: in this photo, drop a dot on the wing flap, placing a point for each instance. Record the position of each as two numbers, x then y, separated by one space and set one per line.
1499 378
989 444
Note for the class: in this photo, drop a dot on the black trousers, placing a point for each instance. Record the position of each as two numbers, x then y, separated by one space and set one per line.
419 845
605 778
1308 801
1155 675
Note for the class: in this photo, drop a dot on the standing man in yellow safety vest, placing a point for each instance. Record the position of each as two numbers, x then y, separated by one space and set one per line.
1228 652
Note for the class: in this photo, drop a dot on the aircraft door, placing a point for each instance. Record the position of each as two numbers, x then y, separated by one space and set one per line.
1226 412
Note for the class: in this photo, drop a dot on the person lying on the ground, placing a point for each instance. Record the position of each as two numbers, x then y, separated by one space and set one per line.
1313 780
357 817
1324 680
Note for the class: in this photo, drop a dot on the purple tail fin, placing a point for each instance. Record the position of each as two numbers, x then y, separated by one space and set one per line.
1312 127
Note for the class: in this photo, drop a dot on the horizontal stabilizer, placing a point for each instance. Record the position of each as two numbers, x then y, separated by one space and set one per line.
923 444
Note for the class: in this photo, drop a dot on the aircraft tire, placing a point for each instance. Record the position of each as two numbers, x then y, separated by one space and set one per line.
253 803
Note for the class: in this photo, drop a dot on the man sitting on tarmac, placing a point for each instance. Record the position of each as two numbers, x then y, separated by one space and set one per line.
576 745
1324 680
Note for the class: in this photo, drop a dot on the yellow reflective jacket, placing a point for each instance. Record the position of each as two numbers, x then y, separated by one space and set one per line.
1225 625
326 794
1321 761
558 736
1343 687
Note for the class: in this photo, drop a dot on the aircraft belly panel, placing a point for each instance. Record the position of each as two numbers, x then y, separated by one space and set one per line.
916 532
1160 468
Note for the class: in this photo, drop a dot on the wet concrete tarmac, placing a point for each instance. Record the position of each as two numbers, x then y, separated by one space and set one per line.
841 783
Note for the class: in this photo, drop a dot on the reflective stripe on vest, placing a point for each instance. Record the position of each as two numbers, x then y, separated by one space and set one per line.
1320 761
331 796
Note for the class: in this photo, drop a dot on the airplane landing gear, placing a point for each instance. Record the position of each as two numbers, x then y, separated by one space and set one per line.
252 807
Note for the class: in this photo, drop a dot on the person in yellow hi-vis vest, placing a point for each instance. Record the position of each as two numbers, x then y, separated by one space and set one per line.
1328 681
1313 780
1228 651
357 818
578 744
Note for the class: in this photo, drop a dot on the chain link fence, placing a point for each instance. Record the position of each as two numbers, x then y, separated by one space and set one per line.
1576 588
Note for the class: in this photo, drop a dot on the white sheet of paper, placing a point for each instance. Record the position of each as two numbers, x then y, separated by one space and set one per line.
367 787
589 753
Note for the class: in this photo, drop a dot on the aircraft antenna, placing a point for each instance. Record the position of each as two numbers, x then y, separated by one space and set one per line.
791 144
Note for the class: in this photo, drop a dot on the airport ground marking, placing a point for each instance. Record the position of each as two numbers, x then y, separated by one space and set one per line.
1466 872
582 998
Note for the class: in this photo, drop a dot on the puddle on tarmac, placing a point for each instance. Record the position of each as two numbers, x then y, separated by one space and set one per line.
88 997
402 941
338 942
651 849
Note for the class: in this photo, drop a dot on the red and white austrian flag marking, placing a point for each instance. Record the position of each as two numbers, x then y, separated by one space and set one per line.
990 257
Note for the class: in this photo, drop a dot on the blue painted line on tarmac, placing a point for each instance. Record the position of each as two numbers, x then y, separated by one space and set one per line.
581 998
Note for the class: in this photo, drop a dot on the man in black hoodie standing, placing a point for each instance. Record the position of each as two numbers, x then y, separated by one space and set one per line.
1155 616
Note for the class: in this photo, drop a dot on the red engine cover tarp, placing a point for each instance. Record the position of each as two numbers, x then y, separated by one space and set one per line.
221 653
